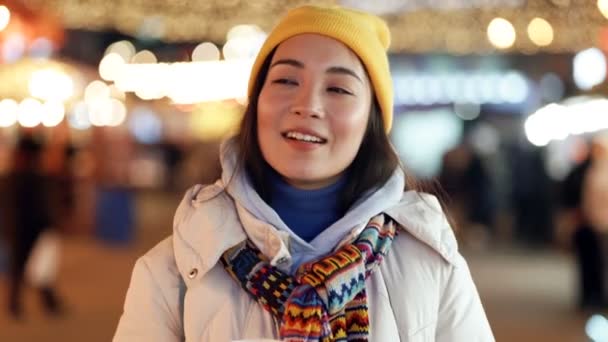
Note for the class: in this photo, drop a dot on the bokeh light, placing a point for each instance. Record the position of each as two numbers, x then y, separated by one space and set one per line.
119 113
30 113
53 112
51 84
145 125
501 33
111 66
602 5
244 31
41 48
5 17
589 68
123 48
467 111
597 328
540 32
100 112
558 121
205 52
79 116
243 41
514 87
143 57
95 91
13 47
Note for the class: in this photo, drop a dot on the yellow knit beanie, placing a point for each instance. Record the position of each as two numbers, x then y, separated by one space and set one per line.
366 35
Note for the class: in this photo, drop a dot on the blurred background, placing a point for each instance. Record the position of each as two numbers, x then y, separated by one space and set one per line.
110 110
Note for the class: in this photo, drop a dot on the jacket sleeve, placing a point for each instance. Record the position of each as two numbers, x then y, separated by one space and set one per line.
153 305
461 315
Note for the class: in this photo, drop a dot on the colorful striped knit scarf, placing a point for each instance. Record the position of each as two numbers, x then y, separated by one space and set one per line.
325 300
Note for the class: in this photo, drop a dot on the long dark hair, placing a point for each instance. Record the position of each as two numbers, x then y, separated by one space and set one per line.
373 165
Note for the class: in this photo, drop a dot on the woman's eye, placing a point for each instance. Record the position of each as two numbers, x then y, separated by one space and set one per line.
339 90
284 81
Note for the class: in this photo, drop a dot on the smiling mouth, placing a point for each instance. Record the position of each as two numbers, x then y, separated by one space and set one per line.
297 136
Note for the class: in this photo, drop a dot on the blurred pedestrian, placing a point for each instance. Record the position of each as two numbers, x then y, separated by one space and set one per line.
530 197
28 195
585 197
595 186
469 186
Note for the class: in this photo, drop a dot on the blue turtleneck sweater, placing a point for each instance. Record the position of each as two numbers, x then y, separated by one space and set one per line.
306 212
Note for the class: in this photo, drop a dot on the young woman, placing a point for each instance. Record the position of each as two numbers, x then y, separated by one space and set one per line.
309 235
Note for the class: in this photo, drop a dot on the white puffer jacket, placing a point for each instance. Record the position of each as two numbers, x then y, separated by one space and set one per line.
422 291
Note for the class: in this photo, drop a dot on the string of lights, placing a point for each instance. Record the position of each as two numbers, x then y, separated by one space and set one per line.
574 24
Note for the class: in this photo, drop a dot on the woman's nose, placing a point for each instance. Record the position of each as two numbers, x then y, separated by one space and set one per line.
307 103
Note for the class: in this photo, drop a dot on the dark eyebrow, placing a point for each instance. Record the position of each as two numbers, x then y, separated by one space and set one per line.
344 71
330 70
289 61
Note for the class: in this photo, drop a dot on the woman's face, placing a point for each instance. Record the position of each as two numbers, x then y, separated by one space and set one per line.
313 110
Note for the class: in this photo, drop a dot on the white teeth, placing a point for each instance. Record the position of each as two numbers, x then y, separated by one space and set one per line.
303 137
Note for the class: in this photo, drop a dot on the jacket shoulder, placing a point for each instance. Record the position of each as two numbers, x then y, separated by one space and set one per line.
161 255
421 215
162 266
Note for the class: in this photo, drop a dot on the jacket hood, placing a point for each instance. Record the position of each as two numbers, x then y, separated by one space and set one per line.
214 218
370 204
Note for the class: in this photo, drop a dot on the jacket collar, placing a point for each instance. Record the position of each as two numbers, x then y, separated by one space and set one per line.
208 222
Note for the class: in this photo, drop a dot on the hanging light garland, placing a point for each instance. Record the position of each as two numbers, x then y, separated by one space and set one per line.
459 30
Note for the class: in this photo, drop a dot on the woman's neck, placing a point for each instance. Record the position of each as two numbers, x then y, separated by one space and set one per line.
306 212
